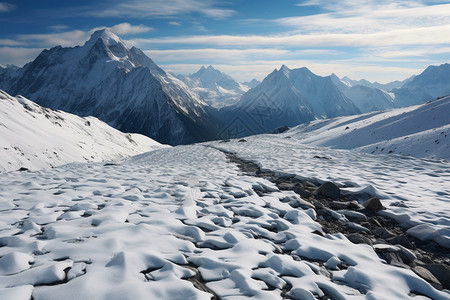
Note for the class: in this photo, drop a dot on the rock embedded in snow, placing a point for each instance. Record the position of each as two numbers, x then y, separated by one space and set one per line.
428 276
373 204
330 190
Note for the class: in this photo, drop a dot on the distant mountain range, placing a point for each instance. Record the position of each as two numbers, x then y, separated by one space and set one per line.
120 86
214 87
35 137
286 97
126 89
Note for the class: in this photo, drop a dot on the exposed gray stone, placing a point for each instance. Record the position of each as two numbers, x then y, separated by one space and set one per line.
428 276
441 272
383 233
373 204
401 240
330 190
357 238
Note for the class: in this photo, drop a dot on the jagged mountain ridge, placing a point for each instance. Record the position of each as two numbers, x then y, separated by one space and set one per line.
35 137
287 97
433 82
365 97
214 87
121 86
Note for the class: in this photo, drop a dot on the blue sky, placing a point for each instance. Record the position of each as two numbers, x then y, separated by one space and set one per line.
376 40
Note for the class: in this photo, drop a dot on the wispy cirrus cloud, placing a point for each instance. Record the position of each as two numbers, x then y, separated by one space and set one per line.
164 8
6 7
369 17
75 37
416 36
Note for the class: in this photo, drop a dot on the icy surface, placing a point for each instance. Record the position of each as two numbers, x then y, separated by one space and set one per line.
151 226
35 137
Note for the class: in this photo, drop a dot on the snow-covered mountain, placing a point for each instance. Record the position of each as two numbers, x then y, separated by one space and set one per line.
433 82
422 131
252 83
214 87
287 97
382 86
365 97
35 137
120 86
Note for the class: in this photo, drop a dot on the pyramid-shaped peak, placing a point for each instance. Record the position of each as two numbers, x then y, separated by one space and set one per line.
106 35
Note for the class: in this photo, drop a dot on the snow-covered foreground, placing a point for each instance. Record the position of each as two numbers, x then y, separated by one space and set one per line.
35 137
420 131
144 228
415 191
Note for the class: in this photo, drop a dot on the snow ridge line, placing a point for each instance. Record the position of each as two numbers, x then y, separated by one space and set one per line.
388 239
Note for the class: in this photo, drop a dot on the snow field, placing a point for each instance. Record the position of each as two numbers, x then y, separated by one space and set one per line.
145 228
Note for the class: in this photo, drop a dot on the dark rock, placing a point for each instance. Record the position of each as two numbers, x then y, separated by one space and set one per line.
428 276
23 169
242 141
280 129
441 272
330 190
321 157
354 205
286 186
393 258
357 238
338 205
373 204
401 240
383 233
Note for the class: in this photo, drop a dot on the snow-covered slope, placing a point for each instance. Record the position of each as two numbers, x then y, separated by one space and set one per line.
184 223
35 137
420 131
288 97
120 86
433 82
214 87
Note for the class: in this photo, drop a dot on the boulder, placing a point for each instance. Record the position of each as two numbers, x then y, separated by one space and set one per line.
357 238
441 272
428 276
373 204
330 190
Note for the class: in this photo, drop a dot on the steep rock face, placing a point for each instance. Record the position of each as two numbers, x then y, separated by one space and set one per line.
214 87
287 97
433 82
121 86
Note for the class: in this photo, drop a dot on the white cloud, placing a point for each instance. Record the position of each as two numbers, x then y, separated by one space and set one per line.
206 55
127 28
6 7
434 35
175 23
9 42
164 8
370 18
17 56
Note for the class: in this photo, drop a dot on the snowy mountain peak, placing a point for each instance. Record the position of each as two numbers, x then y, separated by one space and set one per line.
106 35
